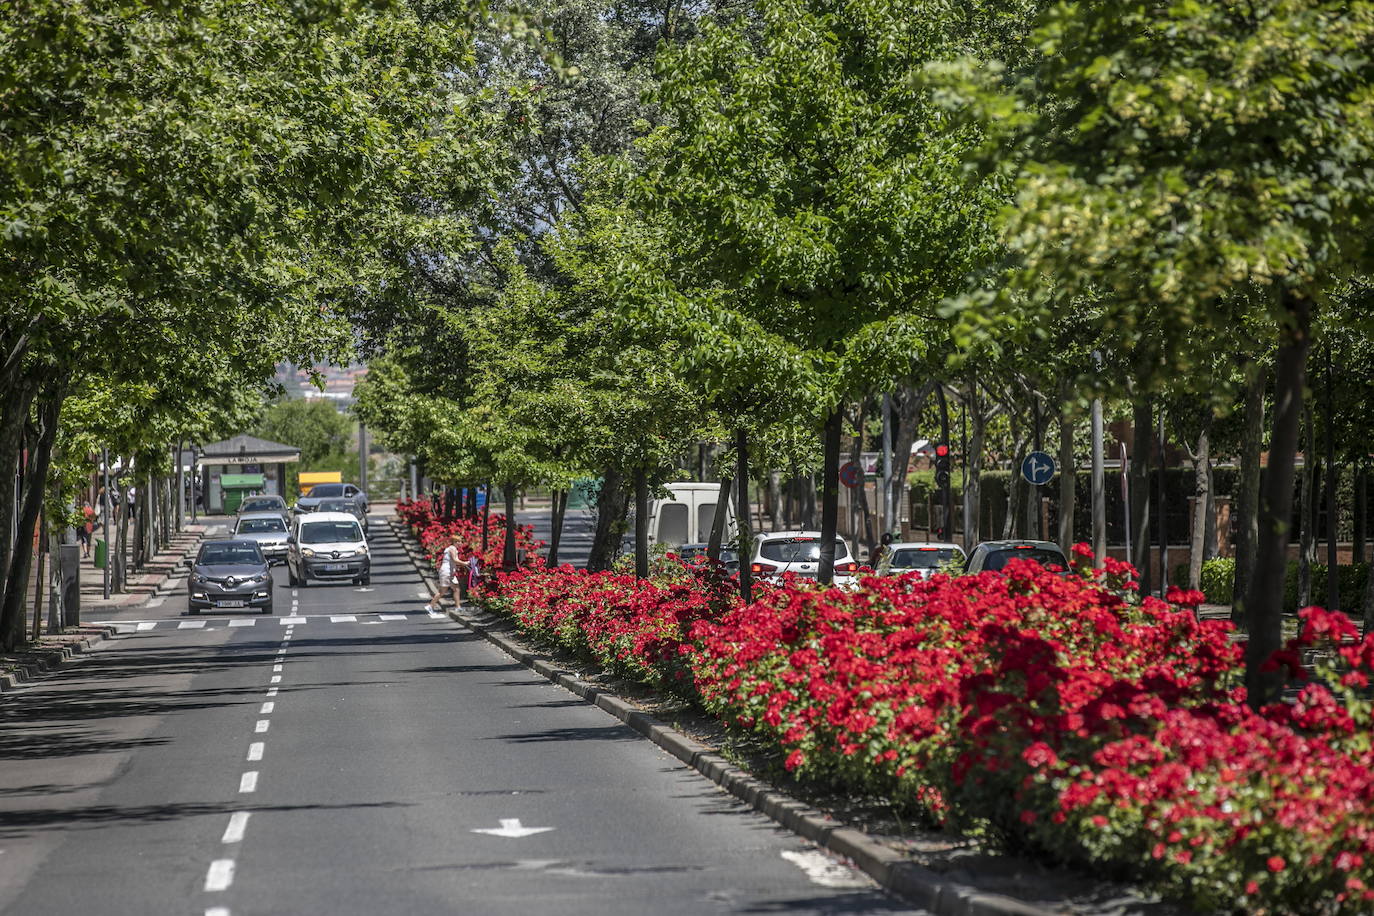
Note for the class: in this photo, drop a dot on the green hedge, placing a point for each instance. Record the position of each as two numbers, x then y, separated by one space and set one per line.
1219 577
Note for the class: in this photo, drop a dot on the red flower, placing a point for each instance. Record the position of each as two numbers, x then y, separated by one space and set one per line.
1276 863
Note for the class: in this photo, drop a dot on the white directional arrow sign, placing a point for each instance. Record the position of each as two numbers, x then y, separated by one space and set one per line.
511 827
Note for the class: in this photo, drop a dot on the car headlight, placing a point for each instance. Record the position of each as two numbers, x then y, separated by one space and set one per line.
199 579
363 550
307 552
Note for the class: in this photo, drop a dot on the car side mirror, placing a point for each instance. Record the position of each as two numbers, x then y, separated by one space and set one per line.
188 563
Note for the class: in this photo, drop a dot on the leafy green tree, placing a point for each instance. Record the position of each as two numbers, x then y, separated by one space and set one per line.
1188 150
314 426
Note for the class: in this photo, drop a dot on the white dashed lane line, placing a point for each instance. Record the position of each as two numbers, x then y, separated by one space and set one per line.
266 709
276 679
255 751
220 876
242 622
217 911
147 625
344 618
271 691
262 726
238 823
248 782
191 625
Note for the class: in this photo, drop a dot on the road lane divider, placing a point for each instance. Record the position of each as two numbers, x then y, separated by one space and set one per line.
255 751
238 823
220 875
266 709
248 782
262 725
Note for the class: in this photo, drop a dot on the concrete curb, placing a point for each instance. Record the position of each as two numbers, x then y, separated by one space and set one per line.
912 882
29 673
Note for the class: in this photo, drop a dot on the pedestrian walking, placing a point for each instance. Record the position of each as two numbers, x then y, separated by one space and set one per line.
449 573
881 560
86 526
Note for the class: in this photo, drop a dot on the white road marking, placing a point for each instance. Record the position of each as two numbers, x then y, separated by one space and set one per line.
262 726
248 782
364 589
511 827
392 616
217 911
276 667
155 601
267 709
364 623
190 625
271 691
255 751
424 595
276 679
344 618
281 651
294 592
242 622
238 822
825 871
147 624
220 876
293 620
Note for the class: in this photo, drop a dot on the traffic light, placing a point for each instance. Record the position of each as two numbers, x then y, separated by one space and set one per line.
942 466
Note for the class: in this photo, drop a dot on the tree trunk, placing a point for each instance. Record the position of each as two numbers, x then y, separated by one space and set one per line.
509 560
12 617
1142 436
1011 523
1333 585
1201 490
1068 471
973 463
746 540
558 511
611 506
486 514
718 523
1264 599
856 455
40 579
1360 545
1308 510
14 412
641 523
830 495
910 404
1245 512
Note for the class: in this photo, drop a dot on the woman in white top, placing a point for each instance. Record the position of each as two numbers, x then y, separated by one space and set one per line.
448 576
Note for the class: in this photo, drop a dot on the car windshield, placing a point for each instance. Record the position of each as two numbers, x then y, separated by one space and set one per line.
336 505
262 504
998 559
327 489
330 532
230 555
261 526
798 550
921 557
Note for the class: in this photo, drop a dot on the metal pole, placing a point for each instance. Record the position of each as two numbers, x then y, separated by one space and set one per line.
195 482
1037 490
181 485
414 480
1126 498
105 515
362 457
1163 532
1099 498
888 475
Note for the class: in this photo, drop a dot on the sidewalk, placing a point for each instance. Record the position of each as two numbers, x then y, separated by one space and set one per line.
164 566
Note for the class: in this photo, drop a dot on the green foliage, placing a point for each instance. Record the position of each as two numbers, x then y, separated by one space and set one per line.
316 427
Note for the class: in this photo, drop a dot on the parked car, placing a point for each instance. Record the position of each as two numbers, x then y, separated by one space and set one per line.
270 503
229 574
327 545
926 559
268 529
779 552
685 515
322 491
729 556
341 504
996 554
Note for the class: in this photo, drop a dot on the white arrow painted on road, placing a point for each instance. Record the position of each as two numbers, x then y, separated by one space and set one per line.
511 827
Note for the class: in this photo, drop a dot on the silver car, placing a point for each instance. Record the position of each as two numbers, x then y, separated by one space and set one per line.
340 504
922 558
267 530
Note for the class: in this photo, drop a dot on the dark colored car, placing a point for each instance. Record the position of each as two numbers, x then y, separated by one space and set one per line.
729 557
322 491
342 504
268 503
995 555
230 574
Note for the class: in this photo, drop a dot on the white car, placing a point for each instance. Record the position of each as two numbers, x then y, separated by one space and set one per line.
925 559
799 552
327 545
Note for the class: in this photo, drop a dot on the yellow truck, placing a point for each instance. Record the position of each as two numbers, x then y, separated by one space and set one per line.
308 479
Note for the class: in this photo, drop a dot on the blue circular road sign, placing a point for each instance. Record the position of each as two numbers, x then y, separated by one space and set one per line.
1037 468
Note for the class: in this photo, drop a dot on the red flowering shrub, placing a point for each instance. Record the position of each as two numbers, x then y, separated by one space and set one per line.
434 535
1046 708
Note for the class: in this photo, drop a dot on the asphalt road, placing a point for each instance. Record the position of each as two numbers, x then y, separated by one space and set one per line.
366 758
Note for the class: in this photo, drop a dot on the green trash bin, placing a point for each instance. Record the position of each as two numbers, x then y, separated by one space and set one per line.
101 552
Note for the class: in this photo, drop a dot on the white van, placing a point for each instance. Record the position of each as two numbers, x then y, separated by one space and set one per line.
684 516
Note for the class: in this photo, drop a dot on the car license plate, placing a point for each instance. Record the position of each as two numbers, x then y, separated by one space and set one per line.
335 567
233 602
